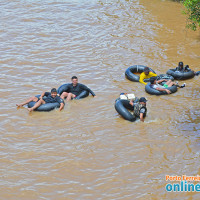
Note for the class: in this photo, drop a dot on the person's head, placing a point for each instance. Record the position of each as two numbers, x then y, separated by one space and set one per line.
53 92
146 70
187 67
180 64
74 80
143 101
152 80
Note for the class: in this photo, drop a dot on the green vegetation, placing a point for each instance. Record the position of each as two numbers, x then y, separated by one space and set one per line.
193 12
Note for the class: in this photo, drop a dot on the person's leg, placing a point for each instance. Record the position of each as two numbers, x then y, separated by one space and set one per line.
70 96
171 83
64 95
27 101
41 101
168 82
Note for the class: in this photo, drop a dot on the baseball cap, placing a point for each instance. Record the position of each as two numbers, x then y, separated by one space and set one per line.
142 99
180 64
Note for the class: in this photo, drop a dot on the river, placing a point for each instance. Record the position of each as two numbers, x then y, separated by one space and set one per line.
88 151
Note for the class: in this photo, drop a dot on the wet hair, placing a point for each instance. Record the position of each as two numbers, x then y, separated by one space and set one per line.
180 64
53 90
152 79
74 77
146 69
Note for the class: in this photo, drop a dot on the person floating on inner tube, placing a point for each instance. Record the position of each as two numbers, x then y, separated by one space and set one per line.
140 109
51 98
74 89
180 68
146 74
155 84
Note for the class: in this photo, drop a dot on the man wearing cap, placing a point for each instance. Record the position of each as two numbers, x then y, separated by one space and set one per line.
51 97
146 74
180 67
140 109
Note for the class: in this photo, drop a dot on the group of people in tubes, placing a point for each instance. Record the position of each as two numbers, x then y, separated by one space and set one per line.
72 90
138 106
157 84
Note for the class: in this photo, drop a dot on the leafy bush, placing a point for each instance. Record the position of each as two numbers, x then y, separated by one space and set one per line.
193 12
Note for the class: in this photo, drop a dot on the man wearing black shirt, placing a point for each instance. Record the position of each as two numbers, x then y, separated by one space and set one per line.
50 98
74 89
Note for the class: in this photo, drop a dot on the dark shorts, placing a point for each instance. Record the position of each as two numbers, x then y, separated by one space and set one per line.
38 98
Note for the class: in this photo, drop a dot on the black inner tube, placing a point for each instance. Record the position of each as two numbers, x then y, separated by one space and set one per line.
129 73
44 107
122 107
181 75
63 88
153 91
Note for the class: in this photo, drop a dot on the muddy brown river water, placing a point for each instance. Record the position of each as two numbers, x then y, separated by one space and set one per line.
87 151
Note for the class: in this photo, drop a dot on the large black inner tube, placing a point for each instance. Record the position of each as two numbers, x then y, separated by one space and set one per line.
122 106
44 107
63 88
153 91
181 75
129 73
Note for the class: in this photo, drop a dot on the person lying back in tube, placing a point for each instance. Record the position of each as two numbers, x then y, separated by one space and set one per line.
169 83
51 97
140 109
146 74
74 89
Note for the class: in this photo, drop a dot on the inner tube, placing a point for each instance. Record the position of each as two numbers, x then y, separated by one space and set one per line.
122 106
181 75
150 90
197 73
44 107
63 88
129 73
165 76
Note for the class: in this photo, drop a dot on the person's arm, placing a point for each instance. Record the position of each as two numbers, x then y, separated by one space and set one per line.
84 87
151 74
163 89
61 106
142 117
131 103
160 81
142 77
61 102
44 94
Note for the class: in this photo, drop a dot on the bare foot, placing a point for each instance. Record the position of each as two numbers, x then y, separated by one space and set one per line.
19 105
30 109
